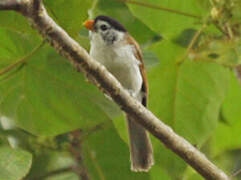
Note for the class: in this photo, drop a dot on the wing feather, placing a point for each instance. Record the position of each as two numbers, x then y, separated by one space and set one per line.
138 55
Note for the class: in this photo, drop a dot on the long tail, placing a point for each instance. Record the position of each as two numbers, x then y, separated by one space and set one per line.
141 153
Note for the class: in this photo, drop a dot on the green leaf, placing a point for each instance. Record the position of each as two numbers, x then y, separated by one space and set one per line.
167 23
12 48
13 21
228 136
229 162
70 15
106 155
46 96
64 176
167 52
166 162
14 163
191 96
156 173
191 174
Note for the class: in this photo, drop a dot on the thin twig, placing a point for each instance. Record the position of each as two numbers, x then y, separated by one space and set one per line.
77 153
22 60
220 28
161 8
235 173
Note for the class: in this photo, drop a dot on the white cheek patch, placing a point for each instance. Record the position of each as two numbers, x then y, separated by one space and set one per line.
96 39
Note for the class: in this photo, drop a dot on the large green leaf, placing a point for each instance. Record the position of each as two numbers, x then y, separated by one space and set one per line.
107 156
167 52
190 97
228 136
46 96
12 48
168 23
166 162
13 21
70 15
14 163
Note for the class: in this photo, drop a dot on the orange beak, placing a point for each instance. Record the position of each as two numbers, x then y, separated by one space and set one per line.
89 24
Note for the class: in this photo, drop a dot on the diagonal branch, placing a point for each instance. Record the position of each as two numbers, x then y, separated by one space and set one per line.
98 75
10 5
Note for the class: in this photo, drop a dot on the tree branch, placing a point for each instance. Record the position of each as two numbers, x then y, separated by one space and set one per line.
10 5
98 74
77 153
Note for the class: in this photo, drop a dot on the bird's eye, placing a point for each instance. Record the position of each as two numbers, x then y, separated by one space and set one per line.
103 27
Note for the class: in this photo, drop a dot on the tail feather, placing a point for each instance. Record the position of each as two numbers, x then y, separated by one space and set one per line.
141 153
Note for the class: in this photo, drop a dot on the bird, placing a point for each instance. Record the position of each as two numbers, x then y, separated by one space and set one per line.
112 46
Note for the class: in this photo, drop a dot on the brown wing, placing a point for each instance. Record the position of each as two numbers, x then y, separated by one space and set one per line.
138 55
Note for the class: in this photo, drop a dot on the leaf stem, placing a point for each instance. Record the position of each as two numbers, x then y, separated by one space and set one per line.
22 60
76 150
160 8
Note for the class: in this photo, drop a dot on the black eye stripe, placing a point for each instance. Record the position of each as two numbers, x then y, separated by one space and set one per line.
103 27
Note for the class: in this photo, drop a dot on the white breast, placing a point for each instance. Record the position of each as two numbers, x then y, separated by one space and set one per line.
119 59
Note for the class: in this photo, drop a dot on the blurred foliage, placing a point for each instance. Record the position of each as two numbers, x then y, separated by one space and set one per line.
190 49
14 163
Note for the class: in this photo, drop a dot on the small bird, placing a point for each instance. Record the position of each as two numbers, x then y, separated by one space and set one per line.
117 50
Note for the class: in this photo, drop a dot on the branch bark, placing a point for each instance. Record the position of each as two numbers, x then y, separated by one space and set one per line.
98 75
76 150
10 5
